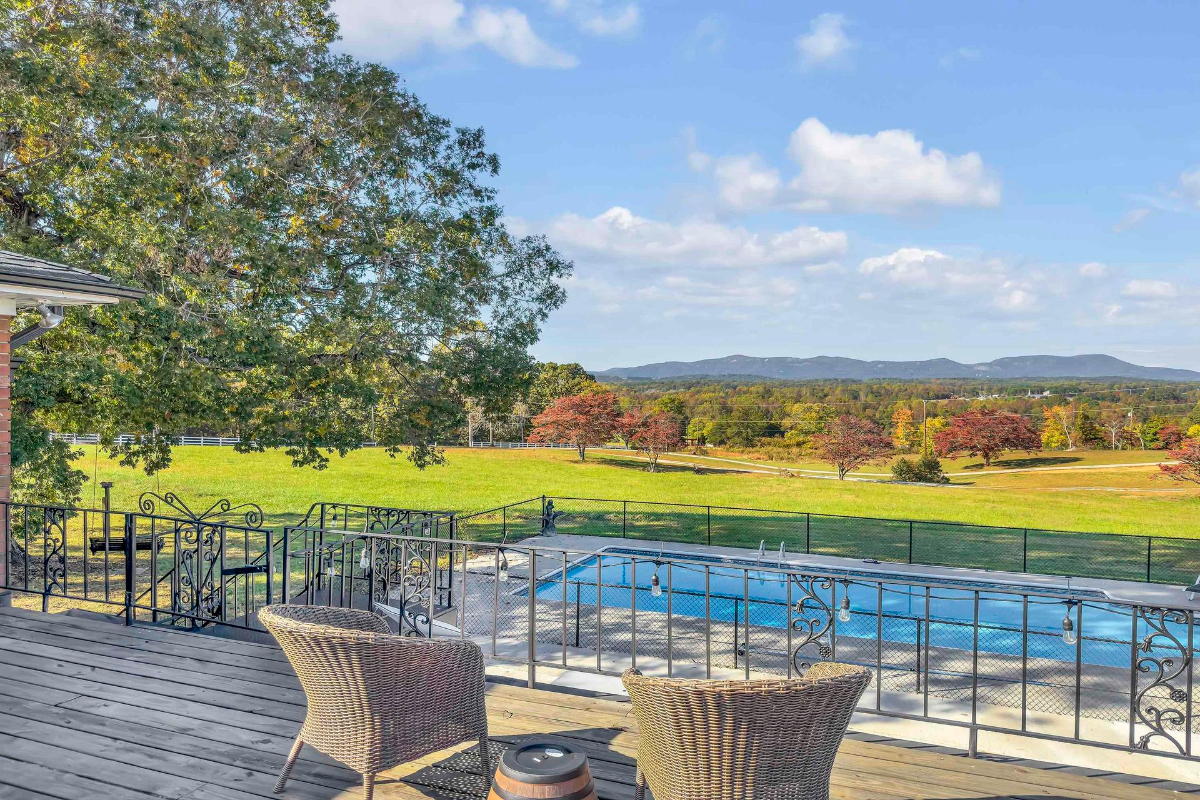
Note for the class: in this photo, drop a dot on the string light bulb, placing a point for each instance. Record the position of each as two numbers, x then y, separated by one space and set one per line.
844 611
655 584
1069 637
364 561
502 575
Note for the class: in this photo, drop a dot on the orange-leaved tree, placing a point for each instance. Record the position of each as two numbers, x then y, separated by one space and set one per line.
850 442
583 420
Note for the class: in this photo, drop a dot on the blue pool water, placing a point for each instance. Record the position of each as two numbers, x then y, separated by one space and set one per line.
1106 627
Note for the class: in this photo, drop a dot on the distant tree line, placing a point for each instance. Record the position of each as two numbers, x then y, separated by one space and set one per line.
850 424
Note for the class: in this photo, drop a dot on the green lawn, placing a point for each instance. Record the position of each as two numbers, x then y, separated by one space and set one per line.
1048 459
478 479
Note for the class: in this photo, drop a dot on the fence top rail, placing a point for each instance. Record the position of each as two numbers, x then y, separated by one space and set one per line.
180 523
896 520
428 512
575 555
464 517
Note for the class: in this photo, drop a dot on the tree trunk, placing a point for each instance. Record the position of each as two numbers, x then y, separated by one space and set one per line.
582 451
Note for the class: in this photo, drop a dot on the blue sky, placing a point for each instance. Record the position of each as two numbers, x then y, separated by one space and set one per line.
874 180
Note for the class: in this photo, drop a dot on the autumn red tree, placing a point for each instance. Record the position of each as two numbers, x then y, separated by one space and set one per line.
1187 467
1171 436
655 434
849 442
583 420
986 433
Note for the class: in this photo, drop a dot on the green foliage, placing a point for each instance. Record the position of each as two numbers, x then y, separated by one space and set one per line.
926 469
320 250
805 420
553 381
46 474
1151 429
698 430
674 405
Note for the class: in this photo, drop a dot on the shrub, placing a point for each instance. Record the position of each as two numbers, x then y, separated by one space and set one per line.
929 469
926 469
904 470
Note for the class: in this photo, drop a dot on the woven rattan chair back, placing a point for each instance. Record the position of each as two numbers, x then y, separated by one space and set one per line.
742 740
376 700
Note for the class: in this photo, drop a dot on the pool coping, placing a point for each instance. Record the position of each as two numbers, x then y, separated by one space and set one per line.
1145 594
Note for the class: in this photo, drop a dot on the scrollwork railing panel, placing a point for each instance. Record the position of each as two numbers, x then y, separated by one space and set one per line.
1162 661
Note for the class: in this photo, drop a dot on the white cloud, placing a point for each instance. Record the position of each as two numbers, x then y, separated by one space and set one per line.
1189 186
707 38
697 160
826 43
619 236
597 19
1015 300
890 172
745 183
1150 289
404 29
1131 220
960 54
990 282
1093 269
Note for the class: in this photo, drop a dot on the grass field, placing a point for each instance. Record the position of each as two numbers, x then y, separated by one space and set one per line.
1119 500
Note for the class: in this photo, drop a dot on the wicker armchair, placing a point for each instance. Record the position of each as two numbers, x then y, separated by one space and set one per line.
741 740
376 700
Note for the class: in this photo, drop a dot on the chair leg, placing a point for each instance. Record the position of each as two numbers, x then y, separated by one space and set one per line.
287 767
486 761
368 786
639 785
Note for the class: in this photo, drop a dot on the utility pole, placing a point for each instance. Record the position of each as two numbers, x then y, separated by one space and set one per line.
924 429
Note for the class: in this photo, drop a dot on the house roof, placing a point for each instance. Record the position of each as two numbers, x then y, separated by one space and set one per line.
36 273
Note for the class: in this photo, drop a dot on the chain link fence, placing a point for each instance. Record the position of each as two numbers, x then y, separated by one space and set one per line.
949 544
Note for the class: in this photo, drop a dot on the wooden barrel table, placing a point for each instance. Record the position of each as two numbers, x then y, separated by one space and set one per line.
543 770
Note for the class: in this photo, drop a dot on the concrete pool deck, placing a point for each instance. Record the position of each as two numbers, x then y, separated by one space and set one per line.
579 664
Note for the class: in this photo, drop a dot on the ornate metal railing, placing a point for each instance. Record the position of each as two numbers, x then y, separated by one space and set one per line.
359 518
163 559
1054 664
170 563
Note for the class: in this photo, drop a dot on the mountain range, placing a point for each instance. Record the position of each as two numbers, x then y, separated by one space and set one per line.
834 368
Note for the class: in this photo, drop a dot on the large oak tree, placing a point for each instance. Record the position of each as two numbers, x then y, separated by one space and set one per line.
318 246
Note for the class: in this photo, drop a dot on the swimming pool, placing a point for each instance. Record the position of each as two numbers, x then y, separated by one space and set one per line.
860 604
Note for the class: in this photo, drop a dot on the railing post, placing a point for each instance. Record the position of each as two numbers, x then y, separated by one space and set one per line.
287 583
736 630
130 563
270 555
531 652
918 655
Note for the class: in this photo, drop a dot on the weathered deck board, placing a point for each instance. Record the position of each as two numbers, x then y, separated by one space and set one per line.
94 710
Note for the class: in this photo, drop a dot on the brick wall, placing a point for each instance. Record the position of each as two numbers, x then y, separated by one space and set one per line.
5 430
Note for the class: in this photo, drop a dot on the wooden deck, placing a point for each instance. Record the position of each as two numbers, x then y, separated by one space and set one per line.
89 709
